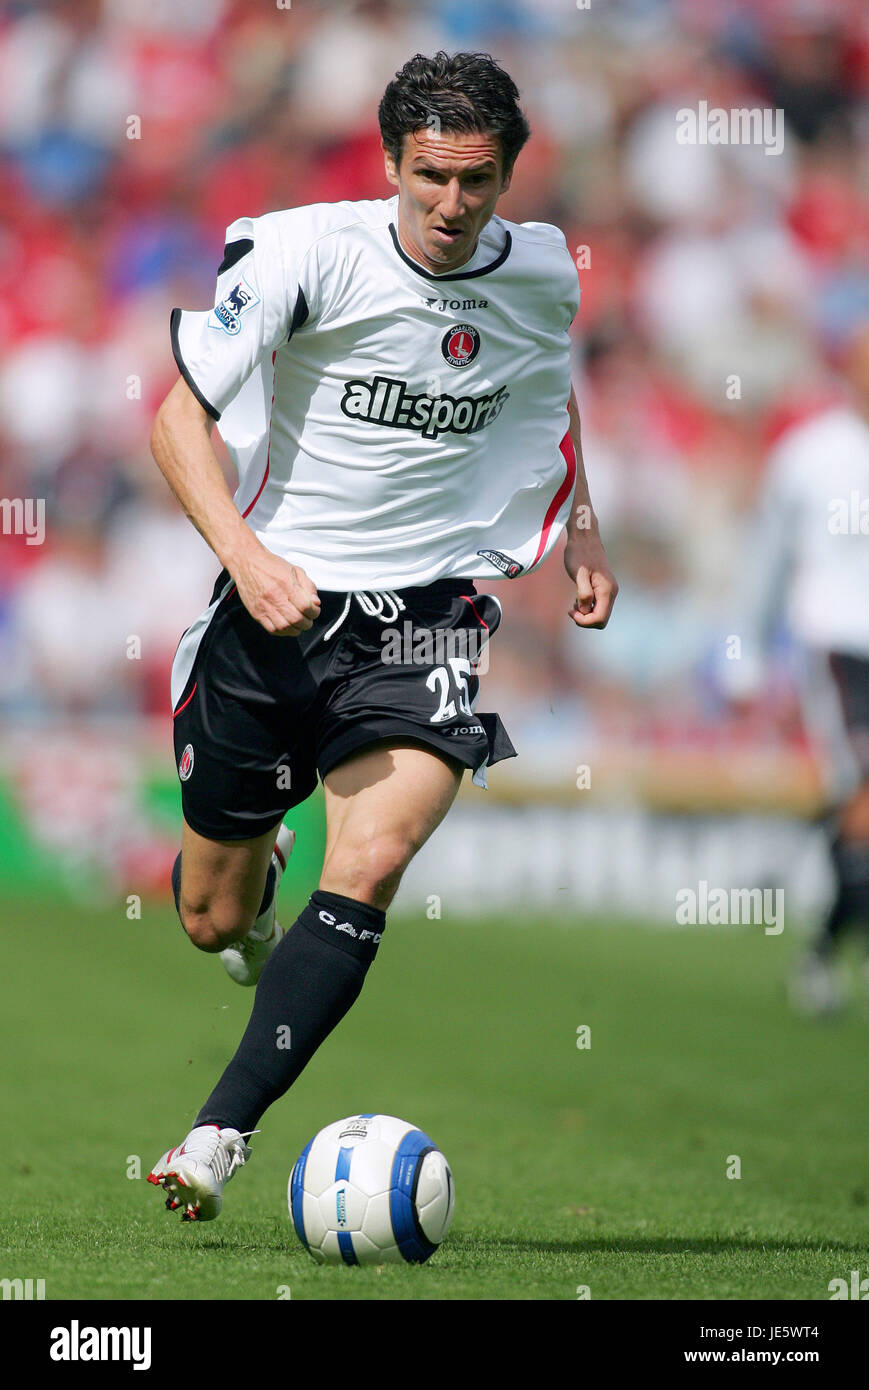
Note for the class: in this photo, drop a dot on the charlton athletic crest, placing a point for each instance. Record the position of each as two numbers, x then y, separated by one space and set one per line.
460 345
185 767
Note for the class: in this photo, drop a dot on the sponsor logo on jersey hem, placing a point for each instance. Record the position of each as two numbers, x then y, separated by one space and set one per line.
502 562
229 311
387 401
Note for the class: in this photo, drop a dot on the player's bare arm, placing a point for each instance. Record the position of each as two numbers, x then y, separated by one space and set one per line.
584 556
279 595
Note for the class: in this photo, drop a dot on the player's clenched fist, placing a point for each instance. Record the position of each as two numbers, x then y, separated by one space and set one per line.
596 586
280 596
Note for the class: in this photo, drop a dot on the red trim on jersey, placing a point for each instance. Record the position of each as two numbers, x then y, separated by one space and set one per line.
569 453
186 702
249 509
471 602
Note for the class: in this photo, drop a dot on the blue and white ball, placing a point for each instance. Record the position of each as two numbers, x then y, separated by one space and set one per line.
371 1189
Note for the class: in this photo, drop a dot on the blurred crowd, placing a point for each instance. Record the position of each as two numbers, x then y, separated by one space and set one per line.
717 281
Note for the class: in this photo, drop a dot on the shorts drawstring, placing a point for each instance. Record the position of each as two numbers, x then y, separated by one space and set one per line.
372 602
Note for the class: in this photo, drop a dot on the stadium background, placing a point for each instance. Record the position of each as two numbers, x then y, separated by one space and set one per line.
695 264
131 133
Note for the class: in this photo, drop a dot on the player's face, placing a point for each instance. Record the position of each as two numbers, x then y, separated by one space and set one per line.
448 185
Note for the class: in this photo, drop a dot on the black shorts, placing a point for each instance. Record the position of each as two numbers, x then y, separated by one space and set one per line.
851 683
260 716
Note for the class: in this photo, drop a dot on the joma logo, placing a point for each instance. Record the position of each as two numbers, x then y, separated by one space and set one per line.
454 304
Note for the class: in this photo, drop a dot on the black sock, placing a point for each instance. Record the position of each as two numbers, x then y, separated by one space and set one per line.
851 901
268 892
309 982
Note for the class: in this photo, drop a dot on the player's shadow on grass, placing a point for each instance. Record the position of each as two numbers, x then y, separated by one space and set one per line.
282 1243
635 1245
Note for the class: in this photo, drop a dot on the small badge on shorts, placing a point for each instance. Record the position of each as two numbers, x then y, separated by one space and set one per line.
460 345
185 767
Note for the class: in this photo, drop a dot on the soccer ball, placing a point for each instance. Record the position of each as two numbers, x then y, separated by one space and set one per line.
371 1189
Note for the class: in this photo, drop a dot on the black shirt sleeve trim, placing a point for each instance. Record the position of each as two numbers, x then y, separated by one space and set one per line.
300 313
174 323
233 251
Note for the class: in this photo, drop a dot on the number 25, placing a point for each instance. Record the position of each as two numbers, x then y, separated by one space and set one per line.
439 679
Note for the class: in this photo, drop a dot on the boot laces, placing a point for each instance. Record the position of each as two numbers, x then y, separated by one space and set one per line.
222 1155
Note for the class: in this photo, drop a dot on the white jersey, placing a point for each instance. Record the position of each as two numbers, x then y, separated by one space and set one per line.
390 426
812 542
808 557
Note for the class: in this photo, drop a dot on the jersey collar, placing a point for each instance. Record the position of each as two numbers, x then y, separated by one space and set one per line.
451 275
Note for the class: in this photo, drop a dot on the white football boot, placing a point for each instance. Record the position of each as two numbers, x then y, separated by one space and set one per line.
244 959
193 1174
816 987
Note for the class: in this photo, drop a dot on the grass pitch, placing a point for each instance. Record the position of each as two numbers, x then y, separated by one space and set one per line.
603 1166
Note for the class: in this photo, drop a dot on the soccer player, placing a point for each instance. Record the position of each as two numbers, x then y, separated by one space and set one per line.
809 559
392 381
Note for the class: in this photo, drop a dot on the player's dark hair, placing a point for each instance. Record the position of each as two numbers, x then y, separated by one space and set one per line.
462 92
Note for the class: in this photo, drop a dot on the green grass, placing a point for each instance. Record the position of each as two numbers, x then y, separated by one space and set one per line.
604 1167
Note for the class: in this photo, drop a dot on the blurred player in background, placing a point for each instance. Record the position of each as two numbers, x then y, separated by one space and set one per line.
392 379
809 562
